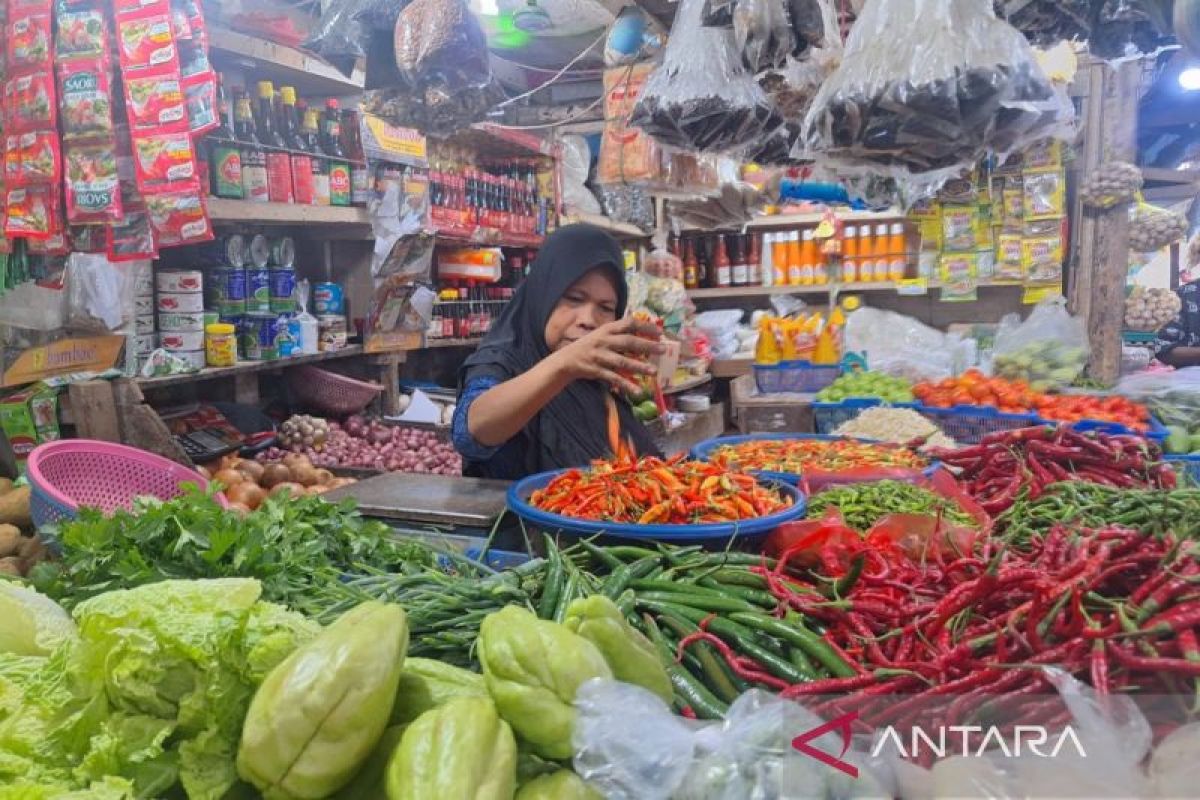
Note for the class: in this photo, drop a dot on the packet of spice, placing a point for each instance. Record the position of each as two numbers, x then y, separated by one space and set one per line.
960 277
163 157
28 41
154 99
178 216
92 190
29 102
82 34
200 94
132 239
145 39
33 211
86 98
32 158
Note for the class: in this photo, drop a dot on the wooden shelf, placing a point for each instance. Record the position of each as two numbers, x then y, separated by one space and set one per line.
225 211
621 230
731 367
282 64
487 237
845 288
813 218
434 344
249 367
688 385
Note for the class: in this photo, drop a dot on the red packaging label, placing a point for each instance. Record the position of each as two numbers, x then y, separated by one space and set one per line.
161 158
17 8
303 187
86 98
154 99
93 190
29 102
56 244
279 178
31 158
82 34
28 41
33 212
200 93
145 41
133 239
178 216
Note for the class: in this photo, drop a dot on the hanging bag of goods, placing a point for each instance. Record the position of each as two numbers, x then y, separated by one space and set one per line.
701 98
928 87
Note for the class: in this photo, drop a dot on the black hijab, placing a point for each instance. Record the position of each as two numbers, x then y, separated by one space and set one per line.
570 430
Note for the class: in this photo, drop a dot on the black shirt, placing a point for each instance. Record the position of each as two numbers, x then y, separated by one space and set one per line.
1184 330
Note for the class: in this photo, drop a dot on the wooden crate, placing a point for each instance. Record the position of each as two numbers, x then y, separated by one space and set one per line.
769 413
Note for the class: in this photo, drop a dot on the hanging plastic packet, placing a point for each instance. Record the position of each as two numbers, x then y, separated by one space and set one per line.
28 41
200 94
1009 261
82 34
163 157
93 194
154 99
959 224
960 277
181 26
193 59
132 239
86 98
1042 258
763 34
1013 202
1044 154
29 102
178 216
32 158
1044 194
32 211
56 244
87 238
145 39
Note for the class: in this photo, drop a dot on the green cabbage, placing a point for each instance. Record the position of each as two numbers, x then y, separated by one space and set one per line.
31 624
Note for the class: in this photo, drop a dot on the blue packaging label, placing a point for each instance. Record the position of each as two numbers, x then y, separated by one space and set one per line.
258 290
327 298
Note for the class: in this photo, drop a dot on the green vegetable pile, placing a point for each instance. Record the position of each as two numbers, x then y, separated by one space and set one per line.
888 388
864 504
1092 505
1183 439
1044 365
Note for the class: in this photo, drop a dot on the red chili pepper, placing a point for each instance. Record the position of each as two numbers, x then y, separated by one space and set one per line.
1178 666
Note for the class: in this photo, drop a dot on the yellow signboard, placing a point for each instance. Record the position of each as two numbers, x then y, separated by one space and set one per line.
386 142
92 353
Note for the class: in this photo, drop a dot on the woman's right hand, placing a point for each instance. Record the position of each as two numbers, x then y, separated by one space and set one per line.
605 353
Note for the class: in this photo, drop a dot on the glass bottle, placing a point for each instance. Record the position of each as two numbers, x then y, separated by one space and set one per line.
225 158
254 160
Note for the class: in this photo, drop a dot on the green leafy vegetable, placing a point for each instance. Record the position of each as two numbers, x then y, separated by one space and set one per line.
31 624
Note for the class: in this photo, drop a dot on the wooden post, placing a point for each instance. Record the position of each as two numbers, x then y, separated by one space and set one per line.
95 411
1098 285
389 376
141 426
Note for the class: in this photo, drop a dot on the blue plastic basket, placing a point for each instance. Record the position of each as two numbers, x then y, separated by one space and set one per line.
518 503
827 417
1155 431
1186 466
969 424
794 377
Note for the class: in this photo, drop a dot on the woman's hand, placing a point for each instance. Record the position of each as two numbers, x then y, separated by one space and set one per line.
606 354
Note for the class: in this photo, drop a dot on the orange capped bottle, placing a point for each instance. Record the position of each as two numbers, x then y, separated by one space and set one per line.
793 261
779 258
897 261
849 254
866 255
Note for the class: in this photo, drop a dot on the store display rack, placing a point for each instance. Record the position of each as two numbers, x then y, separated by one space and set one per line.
850 288
287 65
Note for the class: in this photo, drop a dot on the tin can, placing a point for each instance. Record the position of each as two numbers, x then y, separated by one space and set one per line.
143 281
279 178
287 340
259 252
258 291
143 344
144 323
225 290
193 358
182 321
184 281
171 302
211 318
181 340
327 299
143 306
283 291
331 332
283 253
260 332
224 251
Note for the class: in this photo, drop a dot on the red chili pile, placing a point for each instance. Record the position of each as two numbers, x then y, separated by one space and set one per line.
1008 465
819 455
1118 606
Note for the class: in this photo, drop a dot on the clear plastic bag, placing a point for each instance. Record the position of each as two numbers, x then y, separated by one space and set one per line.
900 345
338 35
576 163
763 34
441 39
708 103
1048 350
927 88
1173 396
99 295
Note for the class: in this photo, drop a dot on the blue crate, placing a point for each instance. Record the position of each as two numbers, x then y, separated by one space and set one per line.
794 376
828 416
497 559
1186 467
969 424
1156 432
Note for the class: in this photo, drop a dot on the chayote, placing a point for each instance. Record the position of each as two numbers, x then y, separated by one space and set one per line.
532 669
561 785
460 750
371 781
318 714
630 655
426 684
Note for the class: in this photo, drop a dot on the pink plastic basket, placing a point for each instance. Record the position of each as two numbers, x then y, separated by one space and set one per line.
330 393
68 474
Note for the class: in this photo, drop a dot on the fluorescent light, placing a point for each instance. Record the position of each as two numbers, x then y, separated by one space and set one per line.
1189 79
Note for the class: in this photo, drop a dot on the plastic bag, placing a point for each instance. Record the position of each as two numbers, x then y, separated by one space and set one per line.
1048 350
338 34
1173 396
898 345
99 297
442 38
762 33
927 88
709 104
576 163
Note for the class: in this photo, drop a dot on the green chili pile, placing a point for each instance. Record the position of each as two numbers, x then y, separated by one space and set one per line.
1155 511
864 504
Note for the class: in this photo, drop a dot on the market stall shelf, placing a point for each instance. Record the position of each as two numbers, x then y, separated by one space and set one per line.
223 210
621 230
849 288
249 367
288 65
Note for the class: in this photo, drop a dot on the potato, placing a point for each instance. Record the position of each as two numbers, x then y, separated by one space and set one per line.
10 540
10 566
14 508
31 552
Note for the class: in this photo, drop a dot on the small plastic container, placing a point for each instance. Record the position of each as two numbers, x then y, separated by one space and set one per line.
220 344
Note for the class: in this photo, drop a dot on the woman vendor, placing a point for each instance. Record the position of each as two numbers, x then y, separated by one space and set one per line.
532 398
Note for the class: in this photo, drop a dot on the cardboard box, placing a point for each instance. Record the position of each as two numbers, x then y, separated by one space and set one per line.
769 413
28 418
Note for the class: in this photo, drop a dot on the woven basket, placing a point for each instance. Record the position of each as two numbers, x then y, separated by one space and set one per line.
330 393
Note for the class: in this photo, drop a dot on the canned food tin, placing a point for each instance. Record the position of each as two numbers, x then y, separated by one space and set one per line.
143 344
181 340
226 291
327 299
183 321
258 291
287 340
143 281
283 290
260 252
211 318
283 253
144 323
331 332
193 358
181 281
173 302
143 306
260 332
224 251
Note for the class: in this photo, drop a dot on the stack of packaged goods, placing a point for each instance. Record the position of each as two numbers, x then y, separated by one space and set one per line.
144 340
180 306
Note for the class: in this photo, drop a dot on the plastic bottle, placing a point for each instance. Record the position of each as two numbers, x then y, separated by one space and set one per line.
738 259
897 262
808 256
866 255
883 253
779 258
721 265
754 260
766 351
767 263
849 254
825 351
793 259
